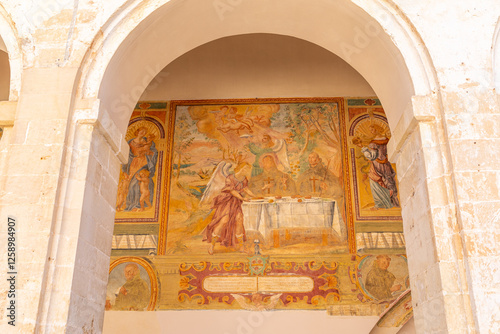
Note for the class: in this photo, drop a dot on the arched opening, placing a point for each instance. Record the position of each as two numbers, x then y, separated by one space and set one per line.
10 81
128 59
4 72
249 66
10 59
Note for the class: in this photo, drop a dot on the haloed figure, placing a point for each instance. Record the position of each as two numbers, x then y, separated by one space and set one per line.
226 226
382 176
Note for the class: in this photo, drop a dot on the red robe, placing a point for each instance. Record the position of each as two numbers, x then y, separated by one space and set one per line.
225 204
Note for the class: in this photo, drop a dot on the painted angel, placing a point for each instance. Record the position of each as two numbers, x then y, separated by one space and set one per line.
269 145
216 182
256 304
232 121
227 191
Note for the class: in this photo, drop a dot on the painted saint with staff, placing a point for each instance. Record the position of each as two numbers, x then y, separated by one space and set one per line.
318 180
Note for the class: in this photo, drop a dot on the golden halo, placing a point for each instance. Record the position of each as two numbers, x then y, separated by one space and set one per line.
150 127
363 129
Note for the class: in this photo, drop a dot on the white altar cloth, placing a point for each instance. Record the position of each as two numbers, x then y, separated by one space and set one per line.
269 214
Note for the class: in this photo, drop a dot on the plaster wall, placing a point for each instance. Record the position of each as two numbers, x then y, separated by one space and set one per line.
445 134
238 322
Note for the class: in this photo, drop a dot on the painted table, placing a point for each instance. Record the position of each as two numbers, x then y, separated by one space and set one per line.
270 214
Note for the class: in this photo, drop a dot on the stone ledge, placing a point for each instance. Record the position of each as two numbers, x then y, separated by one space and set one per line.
422 109
105 125
7 113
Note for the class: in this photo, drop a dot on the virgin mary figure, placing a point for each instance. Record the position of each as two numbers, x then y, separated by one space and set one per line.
143 156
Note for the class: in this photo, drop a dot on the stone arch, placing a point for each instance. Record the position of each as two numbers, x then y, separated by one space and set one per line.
9 39
378 27
369 34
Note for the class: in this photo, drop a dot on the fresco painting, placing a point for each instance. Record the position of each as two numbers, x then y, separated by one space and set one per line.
375 182
131 287
236 167
140 177
256 204
383 277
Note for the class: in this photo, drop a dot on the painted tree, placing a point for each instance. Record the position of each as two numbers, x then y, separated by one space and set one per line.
306 121
183 139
